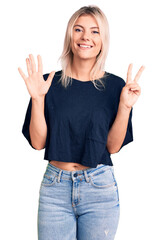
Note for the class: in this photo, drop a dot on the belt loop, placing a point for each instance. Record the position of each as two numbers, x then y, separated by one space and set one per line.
86 176
59 175
72 172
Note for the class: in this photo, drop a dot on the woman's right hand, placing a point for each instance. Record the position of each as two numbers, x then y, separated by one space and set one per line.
36 85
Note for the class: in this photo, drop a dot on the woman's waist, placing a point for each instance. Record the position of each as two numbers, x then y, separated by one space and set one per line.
68 166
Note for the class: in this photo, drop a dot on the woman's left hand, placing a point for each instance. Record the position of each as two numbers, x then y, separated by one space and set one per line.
131 91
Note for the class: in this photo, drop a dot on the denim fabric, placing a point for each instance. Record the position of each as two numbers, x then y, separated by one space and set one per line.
82 205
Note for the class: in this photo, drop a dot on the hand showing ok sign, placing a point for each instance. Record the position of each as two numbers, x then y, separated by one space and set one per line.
131 91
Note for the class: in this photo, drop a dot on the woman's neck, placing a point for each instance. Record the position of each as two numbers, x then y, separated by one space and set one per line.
81 68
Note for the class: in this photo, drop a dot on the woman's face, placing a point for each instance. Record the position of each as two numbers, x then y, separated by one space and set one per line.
86 40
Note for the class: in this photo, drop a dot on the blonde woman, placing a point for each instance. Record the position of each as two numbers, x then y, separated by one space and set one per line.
81 115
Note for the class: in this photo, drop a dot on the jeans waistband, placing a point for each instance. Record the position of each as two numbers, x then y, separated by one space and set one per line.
74 174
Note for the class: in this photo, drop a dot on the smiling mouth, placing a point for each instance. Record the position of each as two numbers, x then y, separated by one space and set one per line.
84 46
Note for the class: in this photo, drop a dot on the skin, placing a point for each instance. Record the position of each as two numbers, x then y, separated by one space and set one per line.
86 32
129 95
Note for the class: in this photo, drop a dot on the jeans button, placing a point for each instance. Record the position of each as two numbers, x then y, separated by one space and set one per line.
75 174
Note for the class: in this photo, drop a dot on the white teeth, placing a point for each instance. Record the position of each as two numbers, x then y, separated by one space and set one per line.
85 46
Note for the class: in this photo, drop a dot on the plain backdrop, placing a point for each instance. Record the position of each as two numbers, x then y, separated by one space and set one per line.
38 27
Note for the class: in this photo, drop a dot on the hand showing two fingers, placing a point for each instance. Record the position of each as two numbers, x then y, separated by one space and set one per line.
36 85
131 91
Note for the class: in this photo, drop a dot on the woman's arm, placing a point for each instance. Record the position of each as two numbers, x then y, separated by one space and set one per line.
37 88
38 127
117 132
129 95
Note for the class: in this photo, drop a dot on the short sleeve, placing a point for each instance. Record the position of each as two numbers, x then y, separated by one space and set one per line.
25 128
129 132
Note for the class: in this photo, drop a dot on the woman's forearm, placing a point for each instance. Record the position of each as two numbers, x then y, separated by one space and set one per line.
118 130
38 127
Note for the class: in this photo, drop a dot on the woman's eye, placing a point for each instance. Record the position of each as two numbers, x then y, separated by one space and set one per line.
77 30
95 32
80 30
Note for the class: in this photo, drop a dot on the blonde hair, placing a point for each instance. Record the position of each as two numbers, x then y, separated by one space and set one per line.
67 54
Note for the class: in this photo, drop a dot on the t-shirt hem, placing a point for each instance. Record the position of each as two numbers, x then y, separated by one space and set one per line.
109 162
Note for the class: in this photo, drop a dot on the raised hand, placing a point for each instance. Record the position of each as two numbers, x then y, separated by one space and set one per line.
131 91
36 85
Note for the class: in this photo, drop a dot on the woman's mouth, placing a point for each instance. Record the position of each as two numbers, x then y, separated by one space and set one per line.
82 46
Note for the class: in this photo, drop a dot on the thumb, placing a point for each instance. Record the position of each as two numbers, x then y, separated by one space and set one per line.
50 77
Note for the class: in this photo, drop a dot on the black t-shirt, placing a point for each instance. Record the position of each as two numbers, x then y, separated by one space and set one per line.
78 120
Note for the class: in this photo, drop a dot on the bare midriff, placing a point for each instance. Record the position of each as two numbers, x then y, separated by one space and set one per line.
68 166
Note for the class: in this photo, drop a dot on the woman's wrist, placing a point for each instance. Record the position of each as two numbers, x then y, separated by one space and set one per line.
38 99
123 108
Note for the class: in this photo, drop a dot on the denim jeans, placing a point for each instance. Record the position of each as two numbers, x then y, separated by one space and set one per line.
82 204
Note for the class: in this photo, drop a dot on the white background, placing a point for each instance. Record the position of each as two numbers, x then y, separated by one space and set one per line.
38 27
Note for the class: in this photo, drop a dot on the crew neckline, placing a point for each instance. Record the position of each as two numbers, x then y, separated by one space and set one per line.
77 80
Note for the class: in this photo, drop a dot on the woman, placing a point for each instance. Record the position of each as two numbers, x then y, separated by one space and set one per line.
80 115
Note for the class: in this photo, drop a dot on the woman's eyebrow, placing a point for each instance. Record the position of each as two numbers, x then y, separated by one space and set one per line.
78 25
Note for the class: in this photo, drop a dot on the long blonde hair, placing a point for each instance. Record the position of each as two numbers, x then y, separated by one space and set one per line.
67 55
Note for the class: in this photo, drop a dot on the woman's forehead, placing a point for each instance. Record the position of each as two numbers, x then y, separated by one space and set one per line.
89 19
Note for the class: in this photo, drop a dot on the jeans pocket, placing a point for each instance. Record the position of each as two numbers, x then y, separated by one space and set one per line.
112 171
49 178
102 179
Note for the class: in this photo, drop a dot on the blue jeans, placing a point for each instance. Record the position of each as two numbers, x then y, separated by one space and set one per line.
82 205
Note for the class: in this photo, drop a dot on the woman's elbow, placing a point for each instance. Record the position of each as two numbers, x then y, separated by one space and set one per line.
37 146
112 150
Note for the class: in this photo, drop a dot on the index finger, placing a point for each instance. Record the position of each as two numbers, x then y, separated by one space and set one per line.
33 65
129 73
139 73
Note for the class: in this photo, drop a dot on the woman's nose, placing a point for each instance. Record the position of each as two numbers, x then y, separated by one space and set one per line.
86 36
